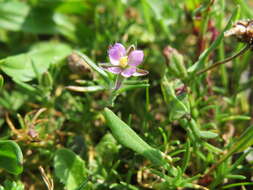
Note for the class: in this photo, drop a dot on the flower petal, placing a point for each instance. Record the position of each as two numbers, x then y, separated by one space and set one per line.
140 72
115 70
111 68
128 72
135 57
116 52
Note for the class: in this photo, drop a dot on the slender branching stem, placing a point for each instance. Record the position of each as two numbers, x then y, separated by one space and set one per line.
241 52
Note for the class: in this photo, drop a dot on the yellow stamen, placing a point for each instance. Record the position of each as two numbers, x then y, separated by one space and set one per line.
123 62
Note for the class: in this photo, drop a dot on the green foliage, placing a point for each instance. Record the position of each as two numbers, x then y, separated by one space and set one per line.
69 168
127 137
107 148
46 80
179 105
24 67
200 63
19 16
175 128
11 158
12 185
1 81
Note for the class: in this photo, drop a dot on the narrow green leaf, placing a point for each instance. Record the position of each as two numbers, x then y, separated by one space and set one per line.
187 155
200 63
93 65
235 117
246 8
239 160
207 134
26 86
11 157
245 140
236 185
127 137
179 105
212 148
233 176
1 81
85 88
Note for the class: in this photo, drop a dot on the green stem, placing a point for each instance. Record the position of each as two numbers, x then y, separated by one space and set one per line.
241 52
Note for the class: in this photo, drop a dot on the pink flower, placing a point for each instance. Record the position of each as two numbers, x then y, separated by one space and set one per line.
124 62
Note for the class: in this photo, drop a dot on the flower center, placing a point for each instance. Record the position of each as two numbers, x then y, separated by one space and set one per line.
123 61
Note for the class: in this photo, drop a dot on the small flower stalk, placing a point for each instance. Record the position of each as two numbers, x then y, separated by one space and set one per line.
243 31
124 63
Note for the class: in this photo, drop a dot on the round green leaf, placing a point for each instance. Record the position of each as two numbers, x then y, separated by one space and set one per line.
11 157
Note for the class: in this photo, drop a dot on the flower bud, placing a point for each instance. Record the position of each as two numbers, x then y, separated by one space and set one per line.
77 64
46 80
175 62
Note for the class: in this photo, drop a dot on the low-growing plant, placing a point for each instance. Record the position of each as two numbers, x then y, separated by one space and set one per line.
80 111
